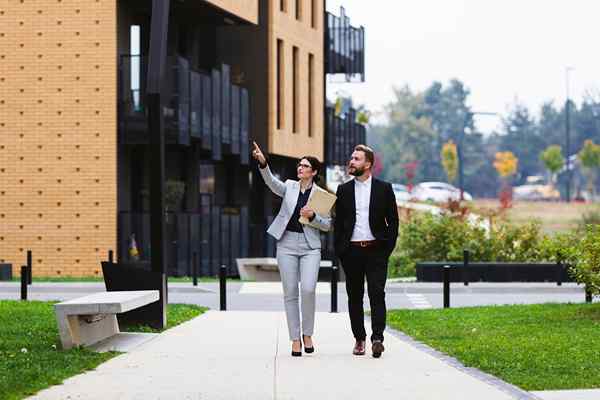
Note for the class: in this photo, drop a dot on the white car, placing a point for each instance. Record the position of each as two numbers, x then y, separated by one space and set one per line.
401 192
438 192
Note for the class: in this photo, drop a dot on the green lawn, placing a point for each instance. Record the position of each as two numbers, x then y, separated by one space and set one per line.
535 347
30 355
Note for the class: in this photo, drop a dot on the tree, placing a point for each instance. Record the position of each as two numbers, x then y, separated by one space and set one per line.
553 160
521 137
506 164
589 156
405 137
419 123
450 160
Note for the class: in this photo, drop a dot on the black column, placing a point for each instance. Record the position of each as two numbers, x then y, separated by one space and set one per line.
156 71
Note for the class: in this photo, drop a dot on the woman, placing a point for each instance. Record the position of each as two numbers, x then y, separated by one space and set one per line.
298 245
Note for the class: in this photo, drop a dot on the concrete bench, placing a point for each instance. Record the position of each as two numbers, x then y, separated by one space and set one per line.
264 269
87 320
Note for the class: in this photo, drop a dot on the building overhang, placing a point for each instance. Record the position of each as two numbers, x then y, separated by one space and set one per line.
246 10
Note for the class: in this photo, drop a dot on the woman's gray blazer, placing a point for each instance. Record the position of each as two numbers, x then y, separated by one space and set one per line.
290 191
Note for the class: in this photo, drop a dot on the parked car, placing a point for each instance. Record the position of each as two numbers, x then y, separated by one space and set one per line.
536 193
536 189
401 192
438 192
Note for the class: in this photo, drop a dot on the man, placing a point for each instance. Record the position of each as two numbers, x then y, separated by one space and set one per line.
366 229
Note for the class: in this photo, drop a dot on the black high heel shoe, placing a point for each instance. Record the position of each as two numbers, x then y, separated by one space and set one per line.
309 350
297 353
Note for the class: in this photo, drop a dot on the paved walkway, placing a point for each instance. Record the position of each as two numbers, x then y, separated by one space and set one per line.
246 355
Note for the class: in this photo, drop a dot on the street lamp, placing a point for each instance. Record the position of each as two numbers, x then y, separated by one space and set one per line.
461 177
568 135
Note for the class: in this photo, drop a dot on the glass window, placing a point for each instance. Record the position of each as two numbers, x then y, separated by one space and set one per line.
135 44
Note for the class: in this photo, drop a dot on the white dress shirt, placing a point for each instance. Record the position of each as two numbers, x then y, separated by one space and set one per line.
362 199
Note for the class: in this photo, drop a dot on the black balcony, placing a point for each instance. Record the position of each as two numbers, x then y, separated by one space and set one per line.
344 47
342 134
218 235
200 107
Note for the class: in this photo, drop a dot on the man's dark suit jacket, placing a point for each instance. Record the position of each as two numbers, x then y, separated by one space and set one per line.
383 215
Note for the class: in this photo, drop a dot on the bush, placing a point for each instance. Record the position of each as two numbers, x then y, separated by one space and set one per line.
586 266
589 218
427 237
400 265
516 243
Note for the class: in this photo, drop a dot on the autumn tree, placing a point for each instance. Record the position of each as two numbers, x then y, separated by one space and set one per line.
449 157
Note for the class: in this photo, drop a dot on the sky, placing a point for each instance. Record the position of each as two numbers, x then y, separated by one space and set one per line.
505 51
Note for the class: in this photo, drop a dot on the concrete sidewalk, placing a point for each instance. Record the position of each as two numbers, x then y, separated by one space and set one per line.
246 355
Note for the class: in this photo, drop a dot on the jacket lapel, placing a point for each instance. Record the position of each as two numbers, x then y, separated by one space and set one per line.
312 191
374 186
293 197
352 199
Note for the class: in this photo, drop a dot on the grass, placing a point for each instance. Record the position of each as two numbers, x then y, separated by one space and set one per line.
178 314
535 347
30 354
554 216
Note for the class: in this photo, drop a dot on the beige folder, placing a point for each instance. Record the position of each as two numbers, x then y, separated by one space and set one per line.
321 202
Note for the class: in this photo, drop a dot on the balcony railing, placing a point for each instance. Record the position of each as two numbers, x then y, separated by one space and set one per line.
199 106
342 134
344 47
218 235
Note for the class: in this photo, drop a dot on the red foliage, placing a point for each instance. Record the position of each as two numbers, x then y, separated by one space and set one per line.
410 171
455 208
506 197
378 167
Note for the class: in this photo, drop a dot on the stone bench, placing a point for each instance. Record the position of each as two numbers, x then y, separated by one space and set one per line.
264 269
87 320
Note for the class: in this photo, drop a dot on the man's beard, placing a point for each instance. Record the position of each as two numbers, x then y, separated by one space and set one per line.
357 172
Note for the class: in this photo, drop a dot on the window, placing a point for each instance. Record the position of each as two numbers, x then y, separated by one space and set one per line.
283 5
295 89
311 88
313 13
135 67
207 179
299 10
280 85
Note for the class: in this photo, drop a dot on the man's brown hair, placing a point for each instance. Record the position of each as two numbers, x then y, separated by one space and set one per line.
369 154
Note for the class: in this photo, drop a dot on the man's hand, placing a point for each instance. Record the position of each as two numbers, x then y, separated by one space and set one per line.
258 155
307 212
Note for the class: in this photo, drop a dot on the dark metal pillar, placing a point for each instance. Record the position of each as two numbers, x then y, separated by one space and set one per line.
446 274
156 71
568 149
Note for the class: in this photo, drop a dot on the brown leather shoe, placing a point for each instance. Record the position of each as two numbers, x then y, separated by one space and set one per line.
359 348
377 348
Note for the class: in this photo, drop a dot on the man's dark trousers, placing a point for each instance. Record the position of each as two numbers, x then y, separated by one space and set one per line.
370 262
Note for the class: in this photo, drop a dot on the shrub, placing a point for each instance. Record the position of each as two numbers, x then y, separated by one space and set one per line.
589 218
516 243
427 237
586 269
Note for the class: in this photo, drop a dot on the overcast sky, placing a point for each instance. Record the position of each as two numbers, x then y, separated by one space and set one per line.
503 50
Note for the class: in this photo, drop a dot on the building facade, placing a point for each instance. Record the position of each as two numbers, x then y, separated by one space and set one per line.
74 157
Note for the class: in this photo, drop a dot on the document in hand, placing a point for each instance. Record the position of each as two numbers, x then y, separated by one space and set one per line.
320 202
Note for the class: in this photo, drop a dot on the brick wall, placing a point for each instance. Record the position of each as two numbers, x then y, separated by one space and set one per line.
58 134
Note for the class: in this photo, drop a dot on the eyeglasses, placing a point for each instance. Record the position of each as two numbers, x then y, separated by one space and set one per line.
303 165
